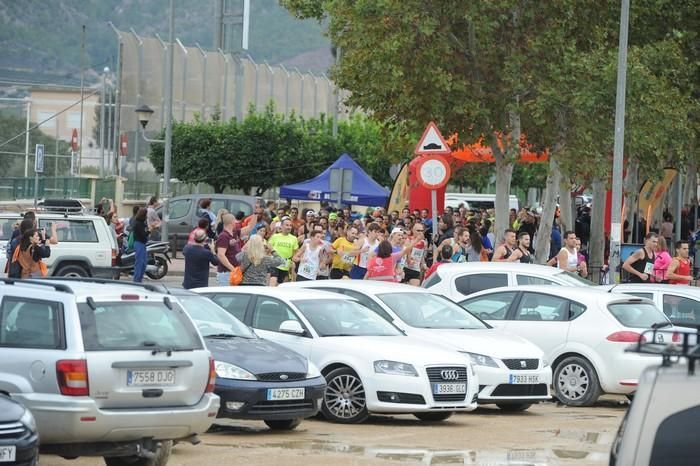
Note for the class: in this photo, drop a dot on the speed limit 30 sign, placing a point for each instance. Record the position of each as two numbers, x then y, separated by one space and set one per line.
433 171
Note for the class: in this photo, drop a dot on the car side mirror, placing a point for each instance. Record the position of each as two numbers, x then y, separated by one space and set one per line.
292 327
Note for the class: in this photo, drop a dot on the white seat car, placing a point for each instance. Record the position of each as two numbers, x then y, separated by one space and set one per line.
457 281
583 332
512 372
680 303
370 366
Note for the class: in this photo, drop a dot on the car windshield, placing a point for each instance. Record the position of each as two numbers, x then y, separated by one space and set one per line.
212 320
638 315
337 317
134 325
572 279
426 310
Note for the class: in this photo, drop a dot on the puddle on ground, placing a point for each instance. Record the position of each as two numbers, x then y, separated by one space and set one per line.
591 438
534 457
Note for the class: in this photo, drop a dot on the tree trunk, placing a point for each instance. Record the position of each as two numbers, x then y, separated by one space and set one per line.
691 184
504 171
566 217
549 205
596 247
630 186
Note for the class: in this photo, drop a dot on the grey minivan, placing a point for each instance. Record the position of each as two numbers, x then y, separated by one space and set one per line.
183 211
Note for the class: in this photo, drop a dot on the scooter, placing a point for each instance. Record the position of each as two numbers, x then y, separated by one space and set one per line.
156 265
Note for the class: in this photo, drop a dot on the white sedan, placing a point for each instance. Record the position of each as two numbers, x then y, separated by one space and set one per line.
369 364
512 372
584 332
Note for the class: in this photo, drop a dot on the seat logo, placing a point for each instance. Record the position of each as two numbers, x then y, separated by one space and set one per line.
284 376
659 338
449 374
523 364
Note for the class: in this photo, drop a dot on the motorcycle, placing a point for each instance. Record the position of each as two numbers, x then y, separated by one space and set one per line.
158 253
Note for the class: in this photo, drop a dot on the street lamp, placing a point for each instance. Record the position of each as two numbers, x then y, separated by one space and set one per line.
143 113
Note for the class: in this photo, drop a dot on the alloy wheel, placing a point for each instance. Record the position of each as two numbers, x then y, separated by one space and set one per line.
345 396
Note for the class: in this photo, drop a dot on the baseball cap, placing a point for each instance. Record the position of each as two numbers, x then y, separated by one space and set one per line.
397 230
332 216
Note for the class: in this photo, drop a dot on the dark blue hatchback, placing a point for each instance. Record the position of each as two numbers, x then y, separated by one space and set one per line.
255 378
19 441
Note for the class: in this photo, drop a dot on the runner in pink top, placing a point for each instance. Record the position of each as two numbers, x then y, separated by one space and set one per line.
382 267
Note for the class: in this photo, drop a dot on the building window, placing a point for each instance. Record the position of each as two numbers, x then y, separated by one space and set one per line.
73 120
43 115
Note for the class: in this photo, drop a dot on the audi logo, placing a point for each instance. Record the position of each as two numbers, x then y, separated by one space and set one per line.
449 374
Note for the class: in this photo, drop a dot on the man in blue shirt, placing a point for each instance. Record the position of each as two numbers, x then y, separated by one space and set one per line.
197 260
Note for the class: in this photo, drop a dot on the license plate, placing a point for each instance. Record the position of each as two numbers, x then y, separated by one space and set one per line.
285 394
150 377
447 388
519 379
7 453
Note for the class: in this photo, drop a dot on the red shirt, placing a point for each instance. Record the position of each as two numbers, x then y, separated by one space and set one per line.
682 269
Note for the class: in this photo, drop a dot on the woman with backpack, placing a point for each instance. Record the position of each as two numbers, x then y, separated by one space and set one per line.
32 249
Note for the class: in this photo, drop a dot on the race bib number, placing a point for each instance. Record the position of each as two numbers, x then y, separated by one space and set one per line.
364 257
308 269
648 267
417 255
347 258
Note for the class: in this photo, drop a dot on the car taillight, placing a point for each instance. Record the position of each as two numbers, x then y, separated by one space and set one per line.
72 377
676 338
626 337
212 376
114 257
130 297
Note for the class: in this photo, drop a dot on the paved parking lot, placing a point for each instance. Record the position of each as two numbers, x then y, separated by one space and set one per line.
547 434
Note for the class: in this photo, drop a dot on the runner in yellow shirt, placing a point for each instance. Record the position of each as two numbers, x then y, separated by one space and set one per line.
345 252
285 244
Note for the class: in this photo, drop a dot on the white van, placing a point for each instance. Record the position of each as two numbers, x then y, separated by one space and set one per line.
477 201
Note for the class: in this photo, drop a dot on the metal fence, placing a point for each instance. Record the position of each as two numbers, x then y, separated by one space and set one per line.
205 83
15 188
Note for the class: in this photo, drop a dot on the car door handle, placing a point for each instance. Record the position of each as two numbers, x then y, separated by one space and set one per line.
152 393
183 223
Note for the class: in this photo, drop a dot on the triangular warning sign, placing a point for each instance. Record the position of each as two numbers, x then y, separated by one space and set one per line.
432 142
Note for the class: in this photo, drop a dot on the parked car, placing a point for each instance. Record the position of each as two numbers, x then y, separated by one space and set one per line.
19 439
457 281
183 211
582 331
86 247
369 364
255 378
680 303
478 201
661 426
512 372
116 371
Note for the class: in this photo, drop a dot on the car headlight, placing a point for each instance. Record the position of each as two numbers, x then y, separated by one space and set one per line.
481 359
395 368
28 421
545 363
312 371
229 371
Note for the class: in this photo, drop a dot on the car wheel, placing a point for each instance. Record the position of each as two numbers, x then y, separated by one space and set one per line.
514 408
283 424
161 271
344 400
576 382
162 455
434 417
72 271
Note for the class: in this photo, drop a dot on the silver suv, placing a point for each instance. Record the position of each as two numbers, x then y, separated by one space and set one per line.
661 426
86 247
107 370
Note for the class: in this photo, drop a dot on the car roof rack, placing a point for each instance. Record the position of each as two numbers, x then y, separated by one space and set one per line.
669 352
55 286
62 206
106 281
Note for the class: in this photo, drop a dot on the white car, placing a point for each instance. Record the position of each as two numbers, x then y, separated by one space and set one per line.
680 303
583 332
512 372
370 366
457 281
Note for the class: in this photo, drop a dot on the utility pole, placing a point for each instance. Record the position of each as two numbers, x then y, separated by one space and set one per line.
618 152
82 99
168 123
102 122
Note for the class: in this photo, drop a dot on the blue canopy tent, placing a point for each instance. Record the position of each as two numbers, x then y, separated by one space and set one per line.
365 191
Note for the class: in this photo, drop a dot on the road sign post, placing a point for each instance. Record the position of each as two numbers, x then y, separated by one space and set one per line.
38 168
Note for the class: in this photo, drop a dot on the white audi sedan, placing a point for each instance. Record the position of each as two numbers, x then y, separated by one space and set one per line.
513 373
369 364
584 332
